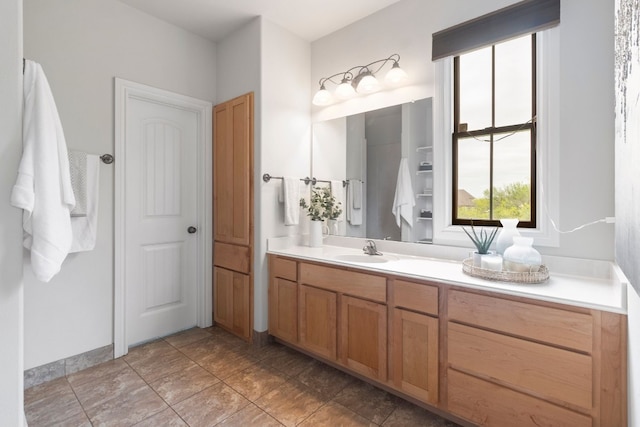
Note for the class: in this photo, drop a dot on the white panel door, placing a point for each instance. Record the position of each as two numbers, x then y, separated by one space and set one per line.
161 206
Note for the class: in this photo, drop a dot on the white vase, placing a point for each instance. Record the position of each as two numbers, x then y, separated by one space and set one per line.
315 234
332 227
521 256
508 232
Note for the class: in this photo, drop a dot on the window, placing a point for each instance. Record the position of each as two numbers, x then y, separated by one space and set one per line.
494 134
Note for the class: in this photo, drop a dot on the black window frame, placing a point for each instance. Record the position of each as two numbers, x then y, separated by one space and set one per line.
489 133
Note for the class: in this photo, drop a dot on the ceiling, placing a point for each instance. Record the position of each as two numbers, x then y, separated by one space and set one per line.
214 19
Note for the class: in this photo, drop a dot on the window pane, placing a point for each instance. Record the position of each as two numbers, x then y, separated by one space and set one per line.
513 81
475 89
473 179
511 176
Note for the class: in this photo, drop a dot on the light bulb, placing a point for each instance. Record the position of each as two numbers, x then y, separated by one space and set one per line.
395 75
322 97
368 84
345 90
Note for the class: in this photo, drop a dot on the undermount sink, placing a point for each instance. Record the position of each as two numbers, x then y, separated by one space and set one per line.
364 258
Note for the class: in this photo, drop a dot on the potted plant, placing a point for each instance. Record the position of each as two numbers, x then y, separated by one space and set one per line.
482 241
322 205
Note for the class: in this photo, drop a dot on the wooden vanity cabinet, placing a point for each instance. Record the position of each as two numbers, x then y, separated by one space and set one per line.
283 299
520 362
415 339
483 357
343 317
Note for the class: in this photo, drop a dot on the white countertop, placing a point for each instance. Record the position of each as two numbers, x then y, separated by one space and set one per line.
606 292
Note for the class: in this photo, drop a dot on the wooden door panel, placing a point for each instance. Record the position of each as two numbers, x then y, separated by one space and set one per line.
283 309
363 335
415 357
318 321
223 296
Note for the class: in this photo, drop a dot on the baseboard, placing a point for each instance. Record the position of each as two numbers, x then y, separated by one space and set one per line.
63 367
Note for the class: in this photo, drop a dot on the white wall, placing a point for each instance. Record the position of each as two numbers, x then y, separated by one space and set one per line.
11 289
285 146
633 358
586 95
238 65
82 45
627 193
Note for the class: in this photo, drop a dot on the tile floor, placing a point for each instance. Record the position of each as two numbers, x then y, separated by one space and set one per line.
207 377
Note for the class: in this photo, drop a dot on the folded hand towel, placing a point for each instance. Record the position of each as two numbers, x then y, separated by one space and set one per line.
337 190
404 200
84 228
78 172
43 187
291 187
354 190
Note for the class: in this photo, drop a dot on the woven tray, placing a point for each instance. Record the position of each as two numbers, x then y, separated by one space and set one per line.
540 276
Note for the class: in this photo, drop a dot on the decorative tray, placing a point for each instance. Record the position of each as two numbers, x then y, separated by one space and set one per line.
529 277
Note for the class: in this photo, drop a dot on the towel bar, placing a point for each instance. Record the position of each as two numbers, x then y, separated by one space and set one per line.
266 178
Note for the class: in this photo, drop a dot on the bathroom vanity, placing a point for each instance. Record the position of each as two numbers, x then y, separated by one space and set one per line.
479 352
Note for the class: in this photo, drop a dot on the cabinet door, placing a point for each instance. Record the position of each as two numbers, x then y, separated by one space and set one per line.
232 168
318 321
363 337
283 309
415 354
231 301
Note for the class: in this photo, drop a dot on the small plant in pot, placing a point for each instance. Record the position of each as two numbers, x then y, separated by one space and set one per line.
482 241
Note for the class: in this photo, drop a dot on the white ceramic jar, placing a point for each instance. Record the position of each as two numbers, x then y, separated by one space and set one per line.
521 256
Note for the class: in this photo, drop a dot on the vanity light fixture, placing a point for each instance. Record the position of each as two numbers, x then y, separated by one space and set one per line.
360 79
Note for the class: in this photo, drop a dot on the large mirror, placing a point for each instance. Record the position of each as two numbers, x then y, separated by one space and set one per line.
384 157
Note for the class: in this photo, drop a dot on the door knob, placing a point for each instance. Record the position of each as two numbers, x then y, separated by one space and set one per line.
192 230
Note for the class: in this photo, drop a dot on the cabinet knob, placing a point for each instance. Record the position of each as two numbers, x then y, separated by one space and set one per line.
192 230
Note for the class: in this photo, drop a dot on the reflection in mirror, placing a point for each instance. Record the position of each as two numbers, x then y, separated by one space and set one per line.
366 151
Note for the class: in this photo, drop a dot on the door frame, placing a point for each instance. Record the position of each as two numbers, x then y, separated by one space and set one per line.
125 91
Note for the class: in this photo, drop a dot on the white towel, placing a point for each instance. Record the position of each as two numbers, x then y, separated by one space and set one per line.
291 189
43 186
354 215
84 228
78 172
337 190
404 200
357 193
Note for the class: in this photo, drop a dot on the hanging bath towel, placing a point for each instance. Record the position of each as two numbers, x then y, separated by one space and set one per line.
404 201
43 187
291 194
354 202
84 228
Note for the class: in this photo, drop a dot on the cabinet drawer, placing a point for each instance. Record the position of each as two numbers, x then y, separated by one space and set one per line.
345 282
284 268
545 324
546 371
232 257
485 403
414 296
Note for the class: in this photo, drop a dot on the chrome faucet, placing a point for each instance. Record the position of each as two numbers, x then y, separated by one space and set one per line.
371 249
